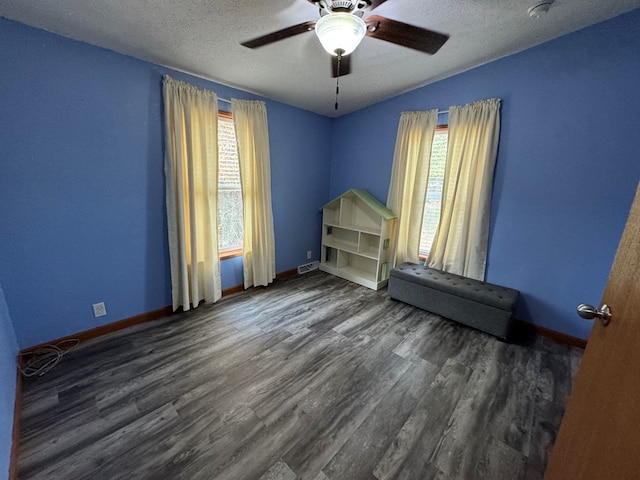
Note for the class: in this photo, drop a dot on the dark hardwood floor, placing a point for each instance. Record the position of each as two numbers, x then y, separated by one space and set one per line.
313 377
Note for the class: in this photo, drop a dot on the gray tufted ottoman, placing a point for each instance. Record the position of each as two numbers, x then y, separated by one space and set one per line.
478 304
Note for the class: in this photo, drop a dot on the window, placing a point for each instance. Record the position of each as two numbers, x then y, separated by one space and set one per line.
431 216
230 227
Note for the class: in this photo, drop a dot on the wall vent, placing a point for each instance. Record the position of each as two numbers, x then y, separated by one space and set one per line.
307 267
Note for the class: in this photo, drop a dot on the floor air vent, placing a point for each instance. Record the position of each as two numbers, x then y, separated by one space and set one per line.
307 267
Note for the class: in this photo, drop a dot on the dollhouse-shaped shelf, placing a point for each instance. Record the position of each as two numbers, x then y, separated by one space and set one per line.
356 234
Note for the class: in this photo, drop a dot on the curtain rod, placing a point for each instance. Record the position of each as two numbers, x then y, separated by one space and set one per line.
440 112
220 99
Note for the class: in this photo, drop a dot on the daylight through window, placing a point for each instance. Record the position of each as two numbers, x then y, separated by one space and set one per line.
230 227
431 216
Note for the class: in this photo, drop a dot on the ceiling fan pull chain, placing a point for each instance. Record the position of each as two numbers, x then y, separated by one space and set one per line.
339 52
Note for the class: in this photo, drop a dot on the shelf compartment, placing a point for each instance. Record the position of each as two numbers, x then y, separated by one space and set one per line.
369 245
357 264
331 215
330 257
357 213
341 238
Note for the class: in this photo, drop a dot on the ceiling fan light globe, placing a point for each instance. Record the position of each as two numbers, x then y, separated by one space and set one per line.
340 32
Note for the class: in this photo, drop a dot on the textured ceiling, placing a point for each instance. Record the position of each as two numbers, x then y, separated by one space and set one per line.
203 38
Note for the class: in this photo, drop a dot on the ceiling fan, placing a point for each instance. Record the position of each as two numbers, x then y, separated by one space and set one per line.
341 28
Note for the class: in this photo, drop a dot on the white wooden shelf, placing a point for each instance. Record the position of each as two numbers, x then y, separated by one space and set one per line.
373 230
344 246
357 231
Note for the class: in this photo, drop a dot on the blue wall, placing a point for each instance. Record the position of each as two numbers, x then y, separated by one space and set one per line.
8 366
567 169
82 216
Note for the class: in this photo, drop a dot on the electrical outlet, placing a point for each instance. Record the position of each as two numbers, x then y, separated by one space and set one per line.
308 254
99 310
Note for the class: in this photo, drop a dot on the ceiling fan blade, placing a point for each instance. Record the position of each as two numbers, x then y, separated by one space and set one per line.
375 4
279 35
345 65
400 33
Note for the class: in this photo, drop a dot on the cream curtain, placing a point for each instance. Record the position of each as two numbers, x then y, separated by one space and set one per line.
460 244
409 176
252 135
191 173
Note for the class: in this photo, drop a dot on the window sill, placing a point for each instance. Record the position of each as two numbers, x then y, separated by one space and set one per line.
225 254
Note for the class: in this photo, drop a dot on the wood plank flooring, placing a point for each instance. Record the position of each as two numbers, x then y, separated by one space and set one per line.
311 378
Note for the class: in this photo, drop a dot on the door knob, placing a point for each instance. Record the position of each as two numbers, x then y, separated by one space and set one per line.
589 312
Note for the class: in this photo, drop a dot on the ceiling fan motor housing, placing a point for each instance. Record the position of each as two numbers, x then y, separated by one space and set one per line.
342 4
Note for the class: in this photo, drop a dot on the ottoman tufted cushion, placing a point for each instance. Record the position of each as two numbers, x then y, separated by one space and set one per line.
482 292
